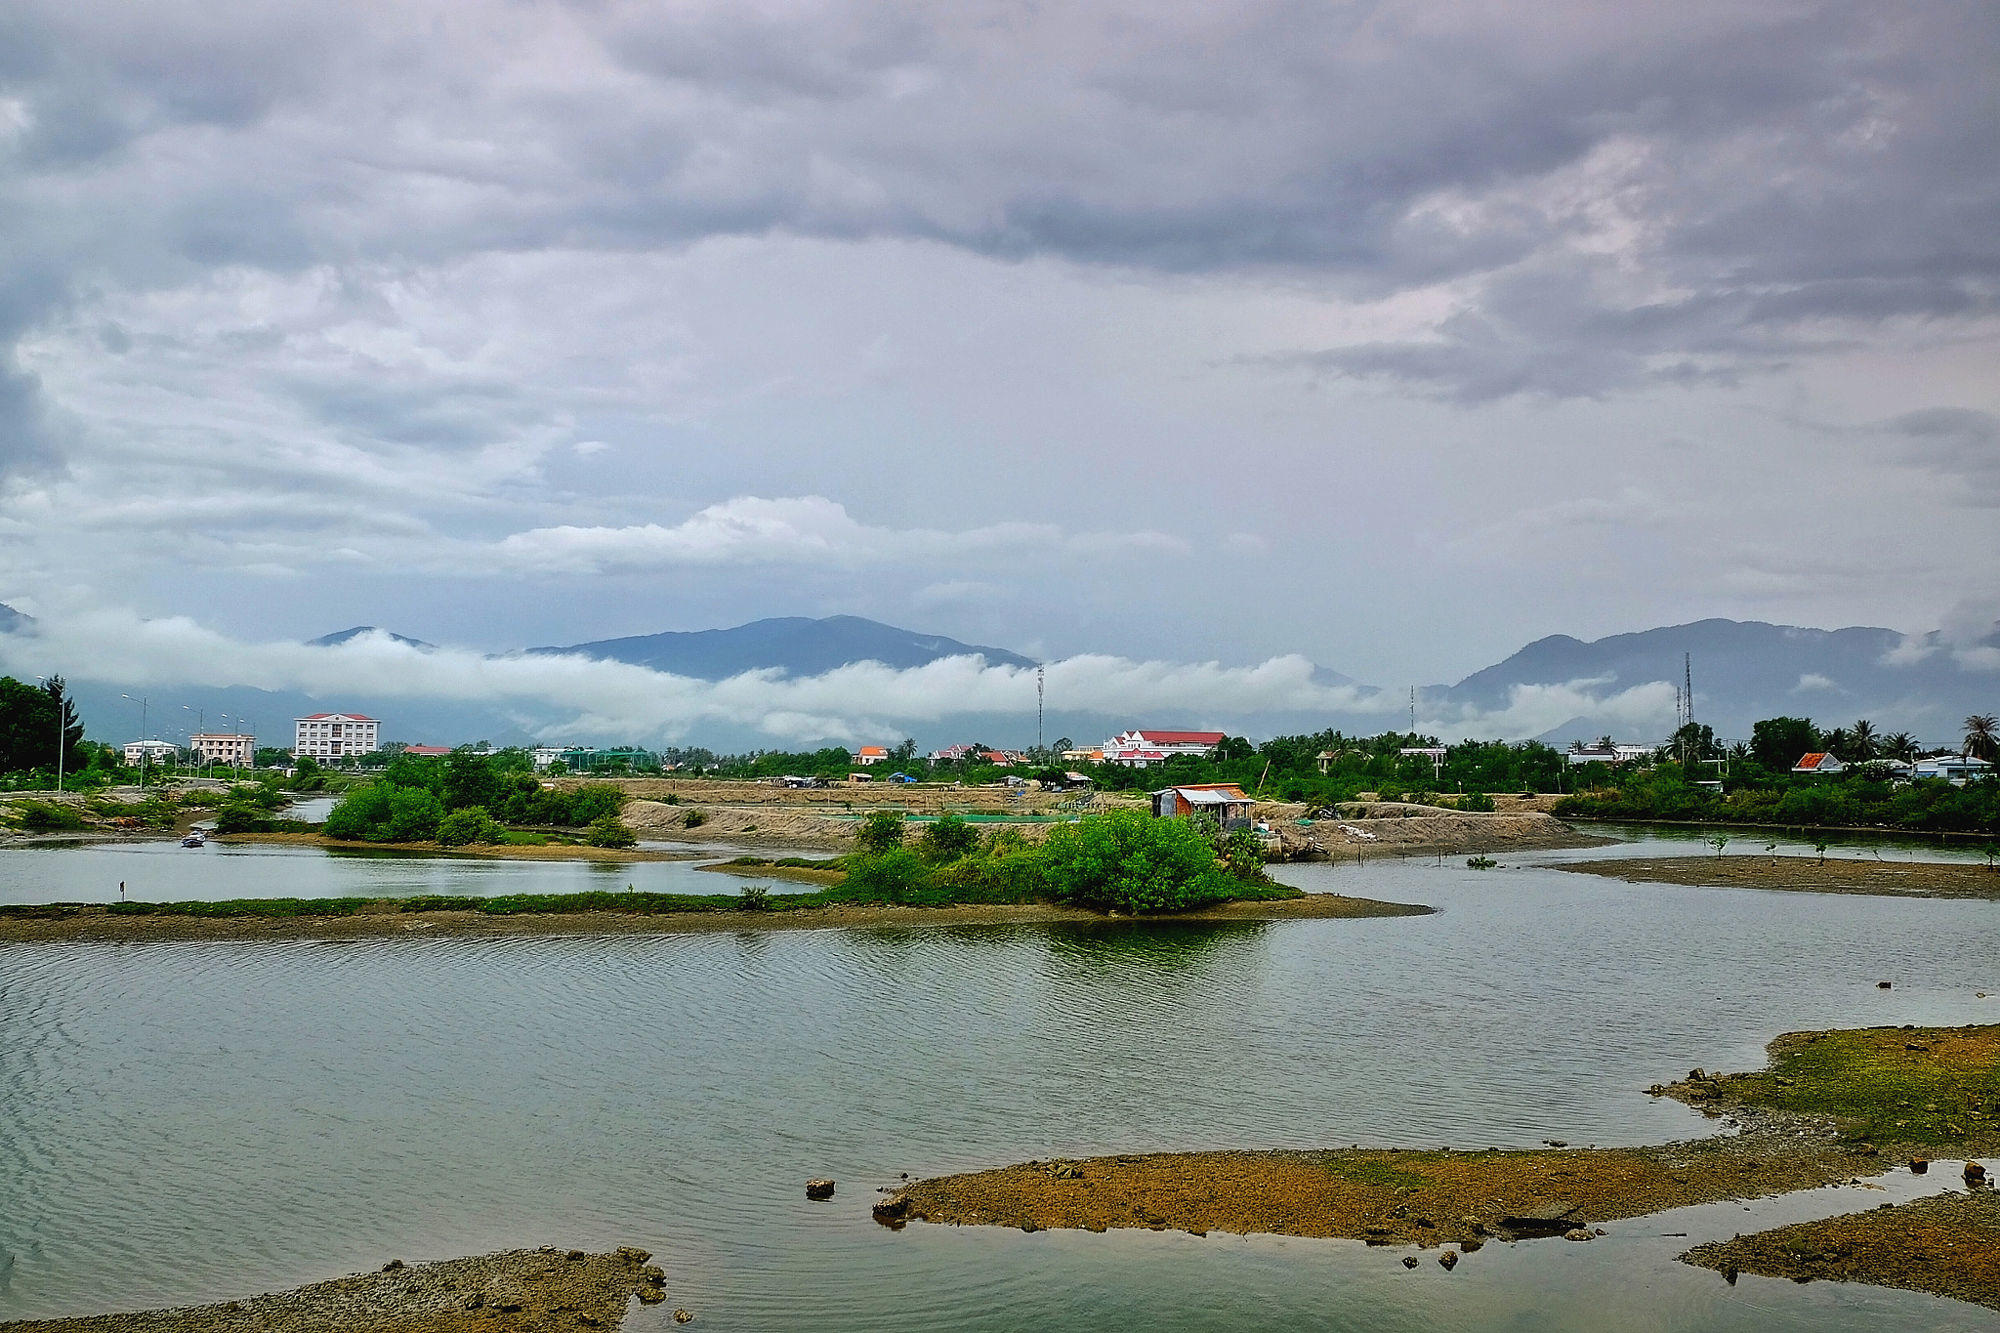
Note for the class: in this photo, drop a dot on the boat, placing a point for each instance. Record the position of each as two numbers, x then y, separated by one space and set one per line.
194 839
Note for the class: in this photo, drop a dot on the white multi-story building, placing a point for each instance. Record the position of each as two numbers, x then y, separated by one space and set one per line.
334 735
151 752
231 747
1142 749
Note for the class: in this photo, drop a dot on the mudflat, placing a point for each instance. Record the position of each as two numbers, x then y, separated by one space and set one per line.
1948 1245
546 1291
1804 874
1830 1107
387 919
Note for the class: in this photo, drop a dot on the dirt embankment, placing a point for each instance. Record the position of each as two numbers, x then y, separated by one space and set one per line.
1948 1245
386 920
1393 828
1831 1106
521 1291
1805 874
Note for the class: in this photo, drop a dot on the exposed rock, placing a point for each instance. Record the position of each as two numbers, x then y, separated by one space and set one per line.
1448 1260
1581 1233
818 1188
1409 1261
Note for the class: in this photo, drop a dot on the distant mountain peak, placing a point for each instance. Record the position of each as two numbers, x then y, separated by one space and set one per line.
338 637
796 645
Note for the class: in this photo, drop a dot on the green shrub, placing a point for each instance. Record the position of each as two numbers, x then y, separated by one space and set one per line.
880 831
1125 860
755 898
946 839
693 819
1478 802
897 875
47 816
467 826
610 831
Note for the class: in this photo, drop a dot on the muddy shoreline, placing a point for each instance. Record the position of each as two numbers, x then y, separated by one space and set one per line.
386 920
519 1291
1947 1245
1832 1107
1803 874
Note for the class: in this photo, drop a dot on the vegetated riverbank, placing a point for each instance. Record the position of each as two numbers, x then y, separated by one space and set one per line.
519 1291
549 851
1948 1245
1804 874
591 914
1831 1106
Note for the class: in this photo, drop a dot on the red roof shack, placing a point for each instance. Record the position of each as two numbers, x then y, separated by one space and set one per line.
1820 761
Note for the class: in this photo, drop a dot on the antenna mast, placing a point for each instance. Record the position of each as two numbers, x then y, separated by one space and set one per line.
1038 706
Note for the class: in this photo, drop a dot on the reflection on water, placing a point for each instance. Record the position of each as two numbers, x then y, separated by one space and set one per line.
190 1121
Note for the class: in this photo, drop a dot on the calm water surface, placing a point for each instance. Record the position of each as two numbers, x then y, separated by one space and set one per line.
183 1122
161 870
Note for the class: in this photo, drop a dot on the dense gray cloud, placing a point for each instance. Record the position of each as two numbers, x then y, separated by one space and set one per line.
1044 306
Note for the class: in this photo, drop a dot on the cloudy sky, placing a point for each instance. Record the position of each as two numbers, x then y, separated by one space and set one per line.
1388 334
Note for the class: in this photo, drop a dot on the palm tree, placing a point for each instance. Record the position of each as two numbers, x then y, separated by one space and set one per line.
1837 743
1862 737
1982 736
1900 745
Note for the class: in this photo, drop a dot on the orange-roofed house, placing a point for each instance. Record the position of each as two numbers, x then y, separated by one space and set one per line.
1820 762
869 755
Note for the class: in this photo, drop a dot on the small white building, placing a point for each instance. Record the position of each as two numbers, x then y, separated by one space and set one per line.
235 748
151 752
1143 749
870 755
335 735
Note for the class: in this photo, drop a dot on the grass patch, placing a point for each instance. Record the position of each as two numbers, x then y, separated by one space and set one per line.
1898 1085
1380 1174
267 907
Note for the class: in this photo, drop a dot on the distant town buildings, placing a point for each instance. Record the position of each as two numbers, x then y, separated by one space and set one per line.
584 758
1953 768
1606 752
1142 749
334 735
238 749
151 752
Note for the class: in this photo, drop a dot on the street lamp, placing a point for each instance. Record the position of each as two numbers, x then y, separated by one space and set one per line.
60 735
145 750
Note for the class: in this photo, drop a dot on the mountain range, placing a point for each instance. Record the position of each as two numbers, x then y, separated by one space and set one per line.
1557 688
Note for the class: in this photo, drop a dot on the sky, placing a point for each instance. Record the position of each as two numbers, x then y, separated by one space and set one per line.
1386 336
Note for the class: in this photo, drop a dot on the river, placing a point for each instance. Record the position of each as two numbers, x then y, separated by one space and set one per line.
193 1121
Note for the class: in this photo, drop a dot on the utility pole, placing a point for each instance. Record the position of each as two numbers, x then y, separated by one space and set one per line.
145 747
1038 709
1413 710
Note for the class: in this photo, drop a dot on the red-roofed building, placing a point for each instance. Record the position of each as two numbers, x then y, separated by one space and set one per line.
1819 762
334 735
427 751
1140 749
870 754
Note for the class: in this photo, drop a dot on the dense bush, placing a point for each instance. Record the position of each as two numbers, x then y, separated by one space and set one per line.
468 826
880 831
610 831
946 839
47 816
381 812
1128 861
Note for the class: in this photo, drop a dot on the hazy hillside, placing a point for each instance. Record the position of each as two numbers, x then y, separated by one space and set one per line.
795 644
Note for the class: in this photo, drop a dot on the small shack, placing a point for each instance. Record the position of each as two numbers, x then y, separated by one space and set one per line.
1224 802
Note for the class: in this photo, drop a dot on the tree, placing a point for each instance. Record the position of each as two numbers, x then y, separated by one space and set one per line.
1838 743
1862 739
1982 737
1899 745
1129 861
28 724
1778 742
